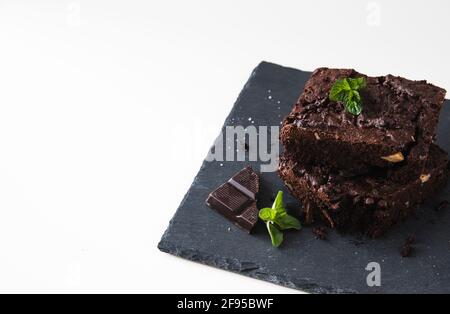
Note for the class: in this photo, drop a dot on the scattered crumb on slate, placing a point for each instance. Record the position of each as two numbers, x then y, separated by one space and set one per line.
246 147
320 233
442 205
407 248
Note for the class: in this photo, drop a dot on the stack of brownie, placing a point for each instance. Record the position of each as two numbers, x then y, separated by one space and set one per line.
363 173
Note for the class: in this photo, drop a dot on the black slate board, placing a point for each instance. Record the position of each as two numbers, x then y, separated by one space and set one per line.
335 266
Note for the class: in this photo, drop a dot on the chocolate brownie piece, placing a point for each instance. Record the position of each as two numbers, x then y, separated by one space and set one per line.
368 203
398 122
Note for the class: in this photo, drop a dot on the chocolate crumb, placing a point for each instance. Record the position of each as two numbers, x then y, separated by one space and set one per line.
320 233
407 248
442 205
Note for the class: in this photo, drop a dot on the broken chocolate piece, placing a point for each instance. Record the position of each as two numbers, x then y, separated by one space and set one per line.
236 199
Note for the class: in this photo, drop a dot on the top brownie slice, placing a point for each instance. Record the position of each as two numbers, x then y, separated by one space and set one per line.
398 121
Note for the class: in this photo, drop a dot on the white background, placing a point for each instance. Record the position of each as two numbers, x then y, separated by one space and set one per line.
98 97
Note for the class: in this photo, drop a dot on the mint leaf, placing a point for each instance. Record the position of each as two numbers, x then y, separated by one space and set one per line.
275 235
339 90
357 83
346 90
354 107
288 222
278 204
277 217
266 214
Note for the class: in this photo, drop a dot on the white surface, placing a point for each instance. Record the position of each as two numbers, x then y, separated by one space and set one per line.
96 97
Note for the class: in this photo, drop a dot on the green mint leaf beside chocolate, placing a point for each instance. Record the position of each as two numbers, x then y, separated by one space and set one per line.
278 204
275 235
286 221
265 214
346 90
277 219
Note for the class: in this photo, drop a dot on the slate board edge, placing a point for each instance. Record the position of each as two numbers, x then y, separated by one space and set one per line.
247 269
233 265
